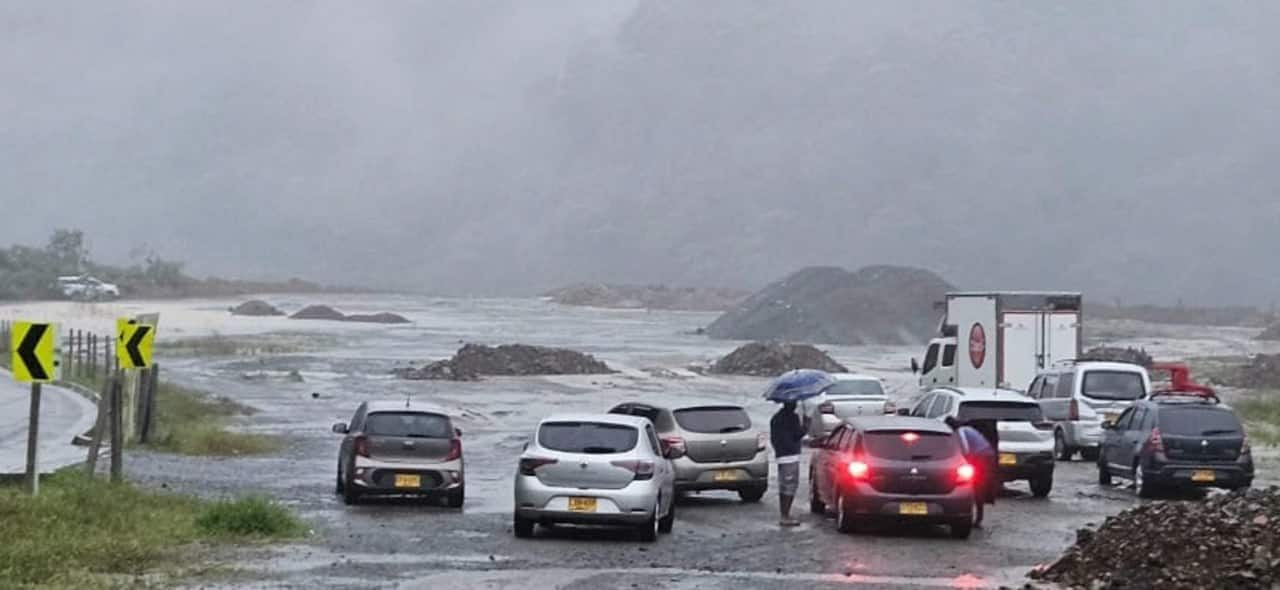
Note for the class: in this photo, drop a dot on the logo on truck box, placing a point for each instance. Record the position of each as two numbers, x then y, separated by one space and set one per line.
977 345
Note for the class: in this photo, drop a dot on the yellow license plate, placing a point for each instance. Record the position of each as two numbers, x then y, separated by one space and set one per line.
913 508
404 480
1008 459
582 504
726 475
1204 475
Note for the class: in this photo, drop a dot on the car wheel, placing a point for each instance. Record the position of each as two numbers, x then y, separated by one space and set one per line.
845 522
1104 473
1090 453
456 497
1140 482
522 527
350 496
816 505
649 530
1041 485
1060 448
669 521
961 529
338 487
752 494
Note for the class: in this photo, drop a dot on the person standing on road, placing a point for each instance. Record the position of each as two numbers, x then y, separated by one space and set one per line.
979 453
786 432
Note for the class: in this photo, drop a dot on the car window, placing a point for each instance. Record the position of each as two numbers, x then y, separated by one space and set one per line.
408 424
1197 421
1122 385
907 445
1048 386
1066 386
944 406
654 445
923 405
1135 423
930 358
713 419
949 355
357 420
1033 390
1000 410
833 438
587 437
936 408
1126 417
856 387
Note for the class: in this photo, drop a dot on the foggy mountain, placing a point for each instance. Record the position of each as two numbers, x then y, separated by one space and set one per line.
508 147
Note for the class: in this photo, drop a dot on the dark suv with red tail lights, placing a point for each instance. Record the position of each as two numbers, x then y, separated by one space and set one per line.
1176 441
403 449
892 469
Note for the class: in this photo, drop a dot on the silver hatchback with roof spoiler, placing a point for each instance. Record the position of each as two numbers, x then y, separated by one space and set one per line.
400 448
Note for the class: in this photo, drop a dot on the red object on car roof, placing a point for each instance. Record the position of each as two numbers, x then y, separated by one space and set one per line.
1181 383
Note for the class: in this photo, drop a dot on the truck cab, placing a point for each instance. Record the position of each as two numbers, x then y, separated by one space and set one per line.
939 368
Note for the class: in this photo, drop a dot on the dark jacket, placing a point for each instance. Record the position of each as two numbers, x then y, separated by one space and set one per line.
786 432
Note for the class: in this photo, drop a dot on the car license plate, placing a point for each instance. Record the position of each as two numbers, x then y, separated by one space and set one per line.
408 480
726 475
582 504
1204 475
1008 459
913 508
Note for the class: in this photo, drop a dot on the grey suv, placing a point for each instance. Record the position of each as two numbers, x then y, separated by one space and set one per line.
400 448
721 448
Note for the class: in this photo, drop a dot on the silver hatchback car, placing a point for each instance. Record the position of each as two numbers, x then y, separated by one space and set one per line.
721 448
596 469
400 448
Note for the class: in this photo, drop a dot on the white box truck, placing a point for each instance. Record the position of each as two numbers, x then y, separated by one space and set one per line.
1001 339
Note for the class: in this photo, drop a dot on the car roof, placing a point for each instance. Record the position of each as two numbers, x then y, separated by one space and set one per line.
687 404
619 419
403 406
874 423
985 394
853 377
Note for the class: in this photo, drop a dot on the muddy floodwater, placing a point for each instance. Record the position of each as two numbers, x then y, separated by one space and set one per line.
718 542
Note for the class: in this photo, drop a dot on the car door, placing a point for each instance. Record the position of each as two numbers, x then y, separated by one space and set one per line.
1120 453
664 469
1053 407
830 460
345 455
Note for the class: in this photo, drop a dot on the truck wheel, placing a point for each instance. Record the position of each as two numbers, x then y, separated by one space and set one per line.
1041 485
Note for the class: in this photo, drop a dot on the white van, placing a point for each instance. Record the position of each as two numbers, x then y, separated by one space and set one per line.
1079 396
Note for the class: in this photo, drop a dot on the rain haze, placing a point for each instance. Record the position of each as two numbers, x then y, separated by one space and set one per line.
506 147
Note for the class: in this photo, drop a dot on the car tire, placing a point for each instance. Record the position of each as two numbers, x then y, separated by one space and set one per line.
337 486
457 497
816 505
648 532
669 521
1140 482
1104 473
1061 451
753 494
961 529
522 527
350 496
845 521
1090 453
1041 485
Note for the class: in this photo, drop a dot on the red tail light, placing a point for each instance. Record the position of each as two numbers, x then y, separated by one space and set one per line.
455 450
858 470
910 437
529 465
642 469
827 408
762 442
1073 409
1156 443
361 446
965 473
673 442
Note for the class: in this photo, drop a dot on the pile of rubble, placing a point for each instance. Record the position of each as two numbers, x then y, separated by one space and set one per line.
1115 354
1261 372
647 297
1228 541
325 312
256 308
760 359
473 360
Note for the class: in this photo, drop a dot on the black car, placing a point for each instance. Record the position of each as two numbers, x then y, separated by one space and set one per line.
892 469
1176 442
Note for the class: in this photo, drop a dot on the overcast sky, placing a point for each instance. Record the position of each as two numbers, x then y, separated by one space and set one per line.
1126 149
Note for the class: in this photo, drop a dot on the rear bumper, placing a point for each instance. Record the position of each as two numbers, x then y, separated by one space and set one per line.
1192 475
868 503
1027 466
380 477
1082 434
631 505
731 475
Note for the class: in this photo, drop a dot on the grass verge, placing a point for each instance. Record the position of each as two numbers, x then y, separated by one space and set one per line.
1261 415
83 532
190 422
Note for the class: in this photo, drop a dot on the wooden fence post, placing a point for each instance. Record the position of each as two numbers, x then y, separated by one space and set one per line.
148 403
117 427
99 428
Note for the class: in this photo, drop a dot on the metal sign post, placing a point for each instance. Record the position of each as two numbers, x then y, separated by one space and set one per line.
35 361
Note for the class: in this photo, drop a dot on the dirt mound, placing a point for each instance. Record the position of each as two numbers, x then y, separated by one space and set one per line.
1271 333
377 318
256 308
1261 372
1228 541
474 360
1115 354
647 297
771 359
829 305
318 312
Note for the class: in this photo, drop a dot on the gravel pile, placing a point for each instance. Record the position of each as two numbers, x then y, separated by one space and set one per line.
1115 354
1228 541
318 312
473 360
377 318
648 297
256 308
761 359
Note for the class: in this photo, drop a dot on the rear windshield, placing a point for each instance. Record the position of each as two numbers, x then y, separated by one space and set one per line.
587 437
1006 411
717 419
1198 422
910 446
1113 385
408 424
855 388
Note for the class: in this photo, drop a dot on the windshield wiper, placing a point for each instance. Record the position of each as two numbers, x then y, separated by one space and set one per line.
598 450
1214 431
921 457
735 428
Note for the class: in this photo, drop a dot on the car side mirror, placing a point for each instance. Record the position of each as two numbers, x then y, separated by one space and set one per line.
340 428
1107 425
915 366
457 433
904 411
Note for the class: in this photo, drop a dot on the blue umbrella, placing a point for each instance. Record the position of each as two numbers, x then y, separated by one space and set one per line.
797 385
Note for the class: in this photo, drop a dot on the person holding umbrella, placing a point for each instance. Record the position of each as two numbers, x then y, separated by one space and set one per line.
786 432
